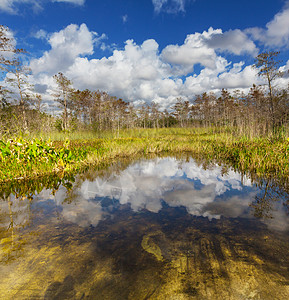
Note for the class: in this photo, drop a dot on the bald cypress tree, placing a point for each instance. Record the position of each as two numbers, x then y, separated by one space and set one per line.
63 95
267 65
15 74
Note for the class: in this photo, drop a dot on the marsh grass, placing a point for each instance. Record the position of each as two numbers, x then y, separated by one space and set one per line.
72 152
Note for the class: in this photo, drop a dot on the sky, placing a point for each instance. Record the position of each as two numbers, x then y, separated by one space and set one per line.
148 50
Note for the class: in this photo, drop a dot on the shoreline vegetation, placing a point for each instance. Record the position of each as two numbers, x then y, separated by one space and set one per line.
76 129
32 157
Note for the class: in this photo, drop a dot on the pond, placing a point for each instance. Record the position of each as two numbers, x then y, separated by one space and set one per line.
159 228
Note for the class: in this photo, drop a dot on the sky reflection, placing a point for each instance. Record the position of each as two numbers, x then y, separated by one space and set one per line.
148 184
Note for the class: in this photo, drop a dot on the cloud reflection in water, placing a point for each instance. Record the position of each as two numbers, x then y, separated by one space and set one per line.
149 183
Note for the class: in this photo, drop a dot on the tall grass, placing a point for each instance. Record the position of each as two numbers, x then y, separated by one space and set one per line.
71 152
125 133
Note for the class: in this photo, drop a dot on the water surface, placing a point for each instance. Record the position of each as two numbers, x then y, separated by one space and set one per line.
161 228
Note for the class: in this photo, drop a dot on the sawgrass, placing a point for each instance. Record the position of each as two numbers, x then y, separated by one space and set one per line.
73 152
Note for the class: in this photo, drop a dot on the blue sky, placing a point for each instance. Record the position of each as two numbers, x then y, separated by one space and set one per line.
148 50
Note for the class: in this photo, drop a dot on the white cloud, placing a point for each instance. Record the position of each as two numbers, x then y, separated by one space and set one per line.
237 77
192 52
169 6
132 73
66 46
41 34
200 48
158 4
224 76
276 32
11 6
140 73
234 41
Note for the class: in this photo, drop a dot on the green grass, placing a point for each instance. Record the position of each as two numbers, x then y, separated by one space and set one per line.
73 152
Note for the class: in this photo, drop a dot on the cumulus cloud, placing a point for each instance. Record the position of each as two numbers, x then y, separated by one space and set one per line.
134 72
224 76
237 77
169 6
142 73
192 52
11 6
201 48
66 46
233 41
276 32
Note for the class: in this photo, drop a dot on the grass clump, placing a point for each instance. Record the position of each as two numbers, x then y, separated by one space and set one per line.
25 158
21 158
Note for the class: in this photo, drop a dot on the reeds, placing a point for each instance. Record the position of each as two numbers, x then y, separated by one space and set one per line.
33 157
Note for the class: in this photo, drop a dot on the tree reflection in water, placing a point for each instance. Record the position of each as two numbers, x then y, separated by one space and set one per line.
271 192
159 228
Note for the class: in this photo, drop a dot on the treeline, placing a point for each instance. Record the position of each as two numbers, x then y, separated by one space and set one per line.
247 113
95 110
264 110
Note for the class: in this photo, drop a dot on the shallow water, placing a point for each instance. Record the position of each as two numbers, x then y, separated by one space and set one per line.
161 228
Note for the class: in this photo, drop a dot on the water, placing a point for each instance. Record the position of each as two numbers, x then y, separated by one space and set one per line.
161 228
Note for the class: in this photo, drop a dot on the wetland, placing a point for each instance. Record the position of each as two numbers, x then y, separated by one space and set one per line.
160 194
160 227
